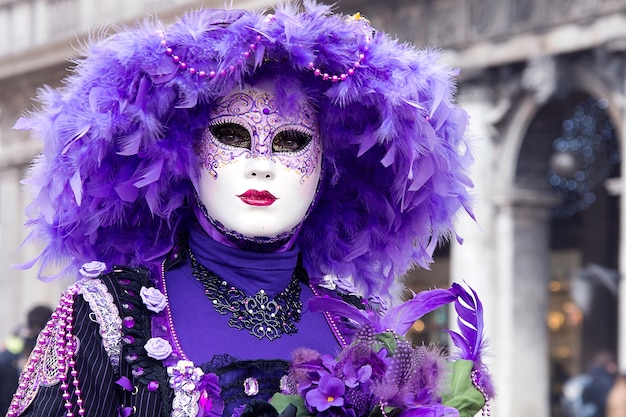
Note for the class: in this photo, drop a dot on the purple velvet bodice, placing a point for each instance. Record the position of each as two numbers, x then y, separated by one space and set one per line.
204 333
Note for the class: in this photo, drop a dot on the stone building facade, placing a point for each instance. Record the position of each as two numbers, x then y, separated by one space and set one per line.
538 78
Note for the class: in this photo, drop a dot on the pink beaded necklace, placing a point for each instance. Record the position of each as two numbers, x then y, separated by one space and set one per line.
41 363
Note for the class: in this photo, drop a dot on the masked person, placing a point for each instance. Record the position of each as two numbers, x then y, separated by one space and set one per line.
241 193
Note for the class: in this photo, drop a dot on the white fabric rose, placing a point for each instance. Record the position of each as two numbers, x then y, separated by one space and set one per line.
153 299
92 269
158 348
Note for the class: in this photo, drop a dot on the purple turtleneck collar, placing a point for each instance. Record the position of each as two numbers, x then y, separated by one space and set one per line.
248 271
204 333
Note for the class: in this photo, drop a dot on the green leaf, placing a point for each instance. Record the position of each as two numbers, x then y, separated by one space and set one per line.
388 339
463 395
389 412
281 401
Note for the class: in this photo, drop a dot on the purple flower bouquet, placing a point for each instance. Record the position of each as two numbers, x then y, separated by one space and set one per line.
382 374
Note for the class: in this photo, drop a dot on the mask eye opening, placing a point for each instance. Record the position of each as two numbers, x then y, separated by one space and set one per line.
231 134
290 140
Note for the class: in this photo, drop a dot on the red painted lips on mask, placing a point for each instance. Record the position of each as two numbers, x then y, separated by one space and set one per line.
257 198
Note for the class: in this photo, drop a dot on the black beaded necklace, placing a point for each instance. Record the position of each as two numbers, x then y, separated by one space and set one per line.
262 316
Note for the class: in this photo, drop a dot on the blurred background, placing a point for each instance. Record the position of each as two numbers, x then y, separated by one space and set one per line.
544 84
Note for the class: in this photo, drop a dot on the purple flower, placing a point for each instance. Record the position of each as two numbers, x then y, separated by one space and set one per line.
355 377
329 363
210 399
356 357
153 299
158 348
185 376
329 393
92 269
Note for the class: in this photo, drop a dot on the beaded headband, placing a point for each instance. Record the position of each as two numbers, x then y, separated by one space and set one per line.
252 47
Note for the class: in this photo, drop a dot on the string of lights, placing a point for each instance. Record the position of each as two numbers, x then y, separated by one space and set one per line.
585 154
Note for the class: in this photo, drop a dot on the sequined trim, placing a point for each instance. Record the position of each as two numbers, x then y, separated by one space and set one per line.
185 403
107 315
185 380
45 367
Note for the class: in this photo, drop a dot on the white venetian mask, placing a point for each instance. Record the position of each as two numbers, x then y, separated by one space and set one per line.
260 168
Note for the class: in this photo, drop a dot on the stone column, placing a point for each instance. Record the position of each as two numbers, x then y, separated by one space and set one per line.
19 290
472 261
522 371
621 298
40 22
621 190
9 234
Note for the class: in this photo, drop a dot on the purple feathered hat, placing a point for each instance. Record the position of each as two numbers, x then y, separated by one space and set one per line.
117 176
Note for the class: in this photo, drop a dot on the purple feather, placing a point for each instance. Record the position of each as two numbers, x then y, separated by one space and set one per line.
77 187
82 131
129 145
398 319
401 318
423 174
345 310
127 191
470 339
438 410
148 172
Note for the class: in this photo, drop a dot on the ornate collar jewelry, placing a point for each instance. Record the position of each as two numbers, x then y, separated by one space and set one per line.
262 316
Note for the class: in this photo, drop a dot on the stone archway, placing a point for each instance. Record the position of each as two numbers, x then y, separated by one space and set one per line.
521 264
523 223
